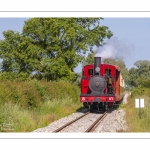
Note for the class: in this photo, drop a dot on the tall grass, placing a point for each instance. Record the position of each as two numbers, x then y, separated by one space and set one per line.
14 118
26 106
138 121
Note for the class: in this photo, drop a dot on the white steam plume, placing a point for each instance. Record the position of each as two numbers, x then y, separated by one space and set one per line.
106 51
114 48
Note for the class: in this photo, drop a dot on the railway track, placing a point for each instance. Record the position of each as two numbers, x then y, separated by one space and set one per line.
96 123
91 127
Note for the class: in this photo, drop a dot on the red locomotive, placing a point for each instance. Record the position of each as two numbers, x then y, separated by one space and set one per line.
102 85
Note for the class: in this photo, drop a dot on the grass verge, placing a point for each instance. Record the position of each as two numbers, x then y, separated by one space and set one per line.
14 118
138 120
26 106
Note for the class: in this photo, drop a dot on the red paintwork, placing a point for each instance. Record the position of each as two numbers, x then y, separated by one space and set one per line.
91 98
85 83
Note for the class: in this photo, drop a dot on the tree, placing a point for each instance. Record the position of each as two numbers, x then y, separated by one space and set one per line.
140 75
89 59
133 75
51 47
16 54
143 68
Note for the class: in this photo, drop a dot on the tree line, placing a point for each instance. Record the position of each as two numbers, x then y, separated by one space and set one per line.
51 48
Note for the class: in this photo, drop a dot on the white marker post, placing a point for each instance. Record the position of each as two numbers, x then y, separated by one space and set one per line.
139 103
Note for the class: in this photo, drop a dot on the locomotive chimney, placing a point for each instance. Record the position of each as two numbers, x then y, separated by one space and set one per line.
97 62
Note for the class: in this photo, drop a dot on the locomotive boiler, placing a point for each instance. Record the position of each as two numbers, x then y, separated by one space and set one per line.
102 85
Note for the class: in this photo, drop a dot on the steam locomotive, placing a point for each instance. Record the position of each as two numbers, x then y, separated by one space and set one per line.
102 85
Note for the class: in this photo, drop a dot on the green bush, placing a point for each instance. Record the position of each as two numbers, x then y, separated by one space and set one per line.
12 76
29 94
138 91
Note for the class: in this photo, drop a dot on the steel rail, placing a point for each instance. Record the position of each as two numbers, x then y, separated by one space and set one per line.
94 125
62 127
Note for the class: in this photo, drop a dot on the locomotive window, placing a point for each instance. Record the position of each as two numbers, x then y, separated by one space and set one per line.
108 71
90 71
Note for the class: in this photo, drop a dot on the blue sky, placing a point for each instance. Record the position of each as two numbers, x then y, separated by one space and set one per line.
132 33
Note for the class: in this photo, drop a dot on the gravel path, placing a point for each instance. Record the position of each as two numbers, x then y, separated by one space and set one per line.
114 122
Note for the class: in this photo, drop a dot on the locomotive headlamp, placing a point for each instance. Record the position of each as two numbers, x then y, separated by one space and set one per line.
97 83
97 69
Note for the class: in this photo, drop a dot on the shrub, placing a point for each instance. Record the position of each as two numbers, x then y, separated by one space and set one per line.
29 94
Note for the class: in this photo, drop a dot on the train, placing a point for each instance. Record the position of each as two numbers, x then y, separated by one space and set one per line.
102 85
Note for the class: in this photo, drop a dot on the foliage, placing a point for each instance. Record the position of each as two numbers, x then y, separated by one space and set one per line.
30 94
143 68
13 76
144 82
33 104
78 81
15 54
138 91
133 76
139 79
90 58
141 74
51 47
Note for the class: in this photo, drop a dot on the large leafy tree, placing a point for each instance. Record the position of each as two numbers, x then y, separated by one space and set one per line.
51 47
90 58
14 51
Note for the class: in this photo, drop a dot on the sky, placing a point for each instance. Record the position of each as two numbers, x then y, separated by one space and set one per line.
131 37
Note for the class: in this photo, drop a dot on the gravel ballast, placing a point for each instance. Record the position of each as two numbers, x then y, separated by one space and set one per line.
114 122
